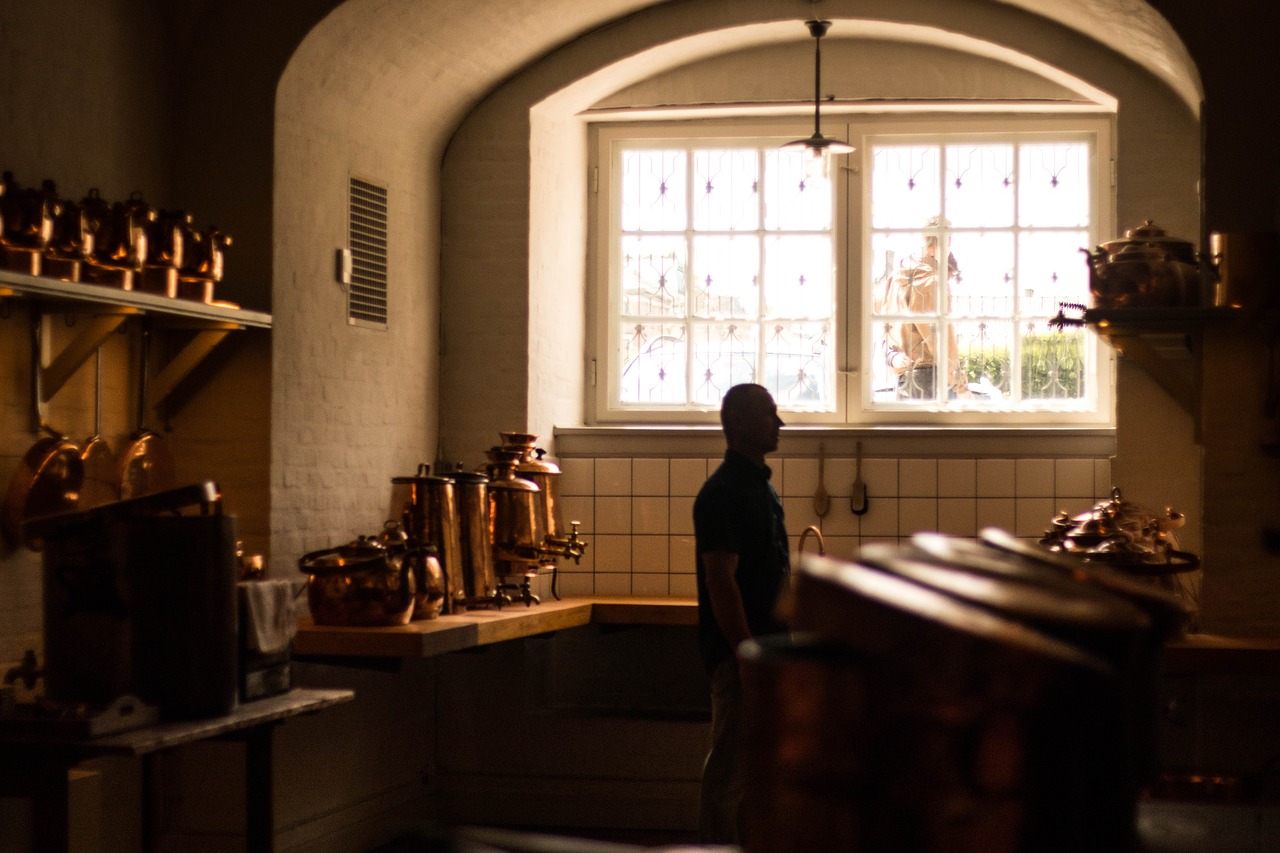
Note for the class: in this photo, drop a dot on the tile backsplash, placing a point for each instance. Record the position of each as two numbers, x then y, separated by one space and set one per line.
637 513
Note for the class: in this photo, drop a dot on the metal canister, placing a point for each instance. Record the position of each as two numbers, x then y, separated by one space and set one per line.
515 532
544 474
431 518
471 494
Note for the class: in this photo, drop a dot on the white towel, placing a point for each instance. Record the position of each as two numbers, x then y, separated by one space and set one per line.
269 619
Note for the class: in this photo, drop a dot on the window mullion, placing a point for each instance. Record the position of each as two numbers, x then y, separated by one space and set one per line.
689 329
1015 345
761 343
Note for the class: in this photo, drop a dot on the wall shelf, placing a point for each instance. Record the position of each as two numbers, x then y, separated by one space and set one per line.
110 308
164 308
1148 335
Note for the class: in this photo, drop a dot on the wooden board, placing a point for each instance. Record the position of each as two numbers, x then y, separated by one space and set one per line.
483 627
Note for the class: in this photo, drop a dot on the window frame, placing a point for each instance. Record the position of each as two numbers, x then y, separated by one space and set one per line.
853 274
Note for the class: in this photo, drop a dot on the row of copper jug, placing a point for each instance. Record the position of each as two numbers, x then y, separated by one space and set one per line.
124 244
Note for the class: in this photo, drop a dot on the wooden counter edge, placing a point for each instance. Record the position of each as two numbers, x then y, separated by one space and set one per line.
430 637
1215 654
631 610
1194 653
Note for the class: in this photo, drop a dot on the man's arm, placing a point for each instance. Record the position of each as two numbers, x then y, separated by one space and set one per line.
726 599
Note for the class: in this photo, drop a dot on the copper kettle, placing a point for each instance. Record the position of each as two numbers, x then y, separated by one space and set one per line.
1147 268
119 239
1123 534
26 224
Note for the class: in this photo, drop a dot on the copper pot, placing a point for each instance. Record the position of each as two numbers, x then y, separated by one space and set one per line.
360 583
47 480
1124 535
70 240
26 224
1147 268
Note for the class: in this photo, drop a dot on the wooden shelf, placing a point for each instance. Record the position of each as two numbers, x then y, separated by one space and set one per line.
1149 321
110 307
1147 335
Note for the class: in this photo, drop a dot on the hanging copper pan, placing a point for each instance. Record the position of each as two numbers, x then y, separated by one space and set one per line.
47 480
146 463
101 481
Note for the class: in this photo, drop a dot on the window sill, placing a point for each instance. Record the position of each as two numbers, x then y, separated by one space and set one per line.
897 441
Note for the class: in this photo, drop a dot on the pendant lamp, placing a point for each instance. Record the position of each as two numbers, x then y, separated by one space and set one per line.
819 147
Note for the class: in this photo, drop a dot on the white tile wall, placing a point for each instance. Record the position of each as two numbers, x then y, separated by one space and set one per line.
637 514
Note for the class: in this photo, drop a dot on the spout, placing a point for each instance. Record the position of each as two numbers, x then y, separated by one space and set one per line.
28 671
812 529
570 546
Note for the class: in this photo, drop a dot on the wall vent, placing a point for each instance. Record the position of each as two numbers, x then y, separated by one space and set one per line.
367 233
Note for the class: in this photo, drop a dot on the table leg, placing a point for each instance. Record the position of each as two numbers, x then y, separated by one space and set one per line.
50 816
259 791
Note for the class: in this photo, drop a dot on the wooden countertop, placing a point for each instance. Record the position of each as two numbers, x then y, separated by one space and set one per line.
1194 653
1211 653
472 628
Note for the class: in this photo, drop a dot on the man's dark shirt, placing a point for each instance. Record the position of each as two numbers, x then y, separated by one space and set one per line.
737 510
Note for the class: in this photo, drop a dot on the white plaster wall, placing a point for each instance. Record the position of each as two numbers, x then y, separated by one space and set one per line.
852 69
477 369
557 274
354 406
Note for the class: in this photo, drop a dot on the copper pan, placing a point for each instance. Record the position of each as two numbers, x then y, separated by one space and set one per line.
101 482
47 480
146 463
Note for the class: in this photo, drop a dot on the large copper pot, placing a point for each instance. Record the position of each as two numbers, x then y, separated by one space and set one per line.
360 583
1146 269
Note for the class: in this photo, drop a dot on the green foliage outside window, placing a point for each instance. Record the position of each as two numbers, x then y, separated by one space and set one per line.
1052 366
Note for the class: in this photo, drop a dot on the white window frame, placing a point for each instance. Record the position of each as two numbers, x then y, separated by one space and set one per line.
853 264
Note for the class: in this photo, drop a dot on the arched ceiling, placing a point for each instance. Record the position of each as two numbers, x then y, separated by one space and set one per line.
434 61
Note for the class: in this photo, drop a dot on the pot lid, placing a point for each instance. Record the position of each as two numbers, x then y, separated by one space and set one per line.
424 475
1048 606
1148 236
362 554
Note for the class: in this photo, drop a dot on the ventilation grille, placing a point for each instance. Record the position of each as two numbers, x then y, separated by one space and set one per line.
367 293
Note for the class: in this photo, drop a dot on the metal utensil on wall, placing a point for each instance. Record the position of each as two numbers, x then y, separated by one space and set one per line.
101 482
858 498
821 500
50 474
146 464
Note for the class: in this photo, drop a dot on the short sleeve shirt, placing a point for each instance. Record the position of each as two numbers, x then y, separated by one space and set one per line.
738 510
